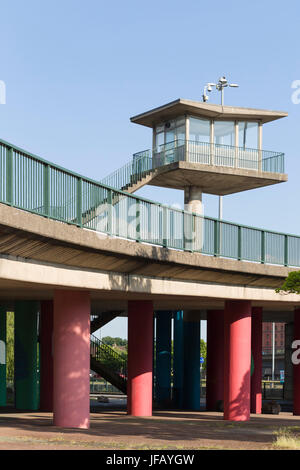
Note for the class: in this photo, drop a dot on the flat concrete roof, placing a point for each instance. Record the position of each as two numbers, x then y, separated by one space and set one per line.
214 111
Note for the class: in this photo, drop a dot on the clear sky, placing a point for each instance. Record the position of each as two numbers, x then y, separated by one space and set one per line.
76 71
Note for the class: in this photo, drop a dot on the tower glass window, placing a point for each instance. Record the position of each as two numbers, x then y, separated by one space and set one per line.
224 132
199 130
248 135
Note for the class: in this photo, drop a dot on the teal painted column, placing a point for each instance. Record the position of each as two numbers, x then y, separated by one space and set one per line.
163 358
191 331
26 345
178 360
2 356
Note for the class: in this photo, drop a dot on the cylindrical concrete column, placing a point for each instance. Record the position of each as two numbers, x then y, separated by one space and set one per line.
237 360
71 371
2 356
163 358
178 362
296 363
140 358
256 349
46 358
215 359
193 226
193 199
191 331
26 367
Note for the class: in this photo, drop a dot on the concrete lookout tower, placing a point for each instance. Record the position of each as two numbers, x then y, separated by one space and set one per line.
208 148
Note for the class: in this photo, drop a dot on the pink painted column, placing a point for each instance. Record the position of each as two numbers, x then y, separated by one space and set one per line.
237 357
256 349
296 367
140 358
215 359
46 351
71 340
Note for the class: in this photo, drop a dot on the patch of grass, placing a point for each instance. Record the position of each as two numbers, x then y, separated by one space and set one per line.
286 438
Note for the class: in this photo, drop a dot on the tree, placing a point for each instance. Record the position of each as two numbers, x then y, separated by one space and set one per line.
291 285
114 341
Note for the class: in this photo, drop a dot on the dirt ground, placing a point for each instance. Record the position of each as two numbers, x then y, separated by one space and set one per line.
173 430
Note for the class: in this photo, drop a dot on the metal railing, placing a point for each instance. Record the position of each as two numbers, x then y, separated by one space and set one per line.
132 172
35 185
218 155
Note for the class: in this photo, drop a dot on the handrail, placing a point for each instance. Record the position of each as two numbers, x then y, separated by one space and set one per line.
30 183
103 353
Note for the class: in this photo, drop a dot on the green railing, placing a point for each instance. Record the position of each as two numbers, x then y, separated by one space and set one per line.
132 172
218 155
35 185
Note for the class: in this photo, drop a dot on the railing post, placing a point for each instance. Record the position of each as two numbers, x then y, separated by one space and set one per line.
239 243
263 246
109 212
164 227
9 176
286 250
138 221
79 202
46 187
216 238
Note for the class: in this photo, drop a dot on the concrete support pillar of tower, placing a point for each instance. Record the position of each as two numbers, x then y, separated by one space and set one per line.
191 331
237 360
296 363
256 350
2 356
163 358
193 199
140 358
178 362
71 368
26 360
193 226
215 359
46 355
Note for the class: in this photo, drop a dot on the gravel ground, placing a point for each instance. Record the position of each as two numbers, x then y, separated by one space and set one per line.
113 429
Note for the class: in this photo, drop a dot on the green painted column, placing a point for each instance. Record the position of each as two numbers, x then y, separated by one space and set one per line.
2 356
26 374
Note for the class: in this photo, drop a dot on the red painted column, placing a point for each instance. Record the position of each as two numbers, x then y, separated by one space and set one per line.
71 341
256 349
237 357
46 359
296 363
140 358
215 359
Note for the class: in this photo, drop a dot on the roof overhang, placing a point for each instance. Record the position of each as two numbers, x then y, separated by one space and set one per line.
212 111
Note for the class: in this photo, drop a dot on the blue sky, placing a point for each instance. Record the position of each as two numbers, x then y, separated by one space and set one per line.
76 71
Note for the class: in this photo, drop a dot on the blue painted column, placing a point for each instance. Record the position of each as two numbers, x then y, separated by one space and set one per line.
191 385
163 358
26 345
178 360
2 356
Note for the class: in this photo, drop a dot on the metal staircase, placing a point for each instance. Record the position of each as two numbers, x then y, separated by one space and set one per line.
133 175
106 362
